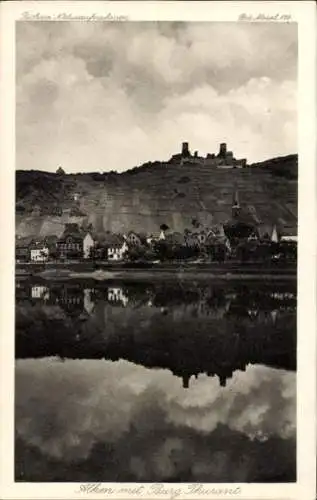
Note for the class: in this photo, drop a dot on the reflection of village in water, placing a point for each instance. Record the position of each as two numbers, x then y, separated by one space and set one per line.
187 329
201 301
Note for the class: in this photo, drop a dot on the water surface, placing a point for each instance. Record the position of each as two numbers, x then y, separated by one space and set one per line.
165 382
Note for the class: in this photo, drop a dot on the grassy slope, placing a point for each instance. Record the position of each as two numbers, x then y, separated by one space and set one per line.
143 198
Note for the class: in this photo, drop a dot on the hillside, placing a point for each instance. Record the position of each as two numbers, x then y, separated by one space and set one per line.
143 198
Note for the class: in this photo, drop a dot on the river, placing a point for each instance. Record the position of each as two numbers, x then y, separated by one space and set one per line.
172 381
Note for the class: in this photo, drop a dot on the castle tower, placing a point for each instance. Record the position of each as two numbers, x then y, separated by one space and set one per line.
222 380
185 149
186 378
235 204
223 150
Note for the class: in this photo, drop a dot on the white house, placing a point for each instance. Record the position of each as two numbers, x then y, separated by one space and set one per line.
88 244
156 237
289 237
116 251
39 253
117 295
40 292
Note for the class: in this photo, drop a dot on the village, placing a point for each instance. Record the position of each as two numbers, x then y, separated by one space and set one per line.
238 239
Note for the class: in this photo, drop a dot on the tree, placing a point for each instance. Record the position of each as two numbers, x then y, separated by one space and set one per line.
164 227
264 251
149 254
242 253
160 249
239 230
195 223
53 253
98 252
43 255
216 250
60 171
136 252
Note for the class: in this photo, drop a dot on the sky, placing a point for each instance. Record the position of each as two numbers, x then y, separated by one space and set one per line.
110 96
63 409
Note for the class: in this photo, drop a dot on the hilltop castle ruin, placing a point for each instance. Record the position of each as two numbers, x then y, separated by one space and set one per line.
224 159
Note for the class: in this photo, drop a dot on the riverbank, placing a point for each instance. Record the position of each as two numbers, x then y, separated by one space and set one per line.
150 271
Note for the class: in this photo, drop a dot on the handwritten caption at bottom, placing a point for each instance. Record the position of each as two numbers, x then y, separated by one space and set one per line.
157 490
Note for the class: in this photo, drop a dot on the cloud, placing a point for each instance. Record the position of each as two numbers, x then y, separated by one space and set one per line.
66 410
100 96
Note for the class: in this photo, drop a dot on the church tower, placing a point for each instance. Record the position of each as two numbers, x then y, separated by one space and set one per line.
235 204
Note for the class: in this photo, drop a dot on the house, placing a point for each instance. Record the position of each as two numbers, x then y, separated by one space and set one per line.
109 246
275 235
117 296
100 245
71 299
197 237
289 234
289 238
253 236
150 239
191 239
39 251
135 239
22 248
70 244
162 234
201 237
116 247
264 231
51 243
88 244
217 236
40 292
156 237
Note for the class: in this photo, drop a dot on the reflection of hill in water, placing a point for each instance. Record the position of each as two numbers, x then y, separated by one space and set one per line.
189 330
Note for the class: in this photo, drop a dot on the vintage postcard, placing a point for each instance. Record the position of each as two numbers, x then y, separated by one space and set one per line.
158 279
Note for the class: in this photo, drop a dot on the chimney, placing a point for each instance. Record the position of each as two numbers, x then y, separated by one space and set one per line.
223 149
185 149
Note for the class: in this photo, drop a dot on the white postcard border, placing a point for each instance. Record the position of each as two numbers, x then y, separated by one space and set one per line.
304 13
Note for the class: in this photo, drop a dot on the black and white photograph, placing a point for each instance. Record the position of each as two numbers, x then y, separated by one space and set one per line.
156 253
